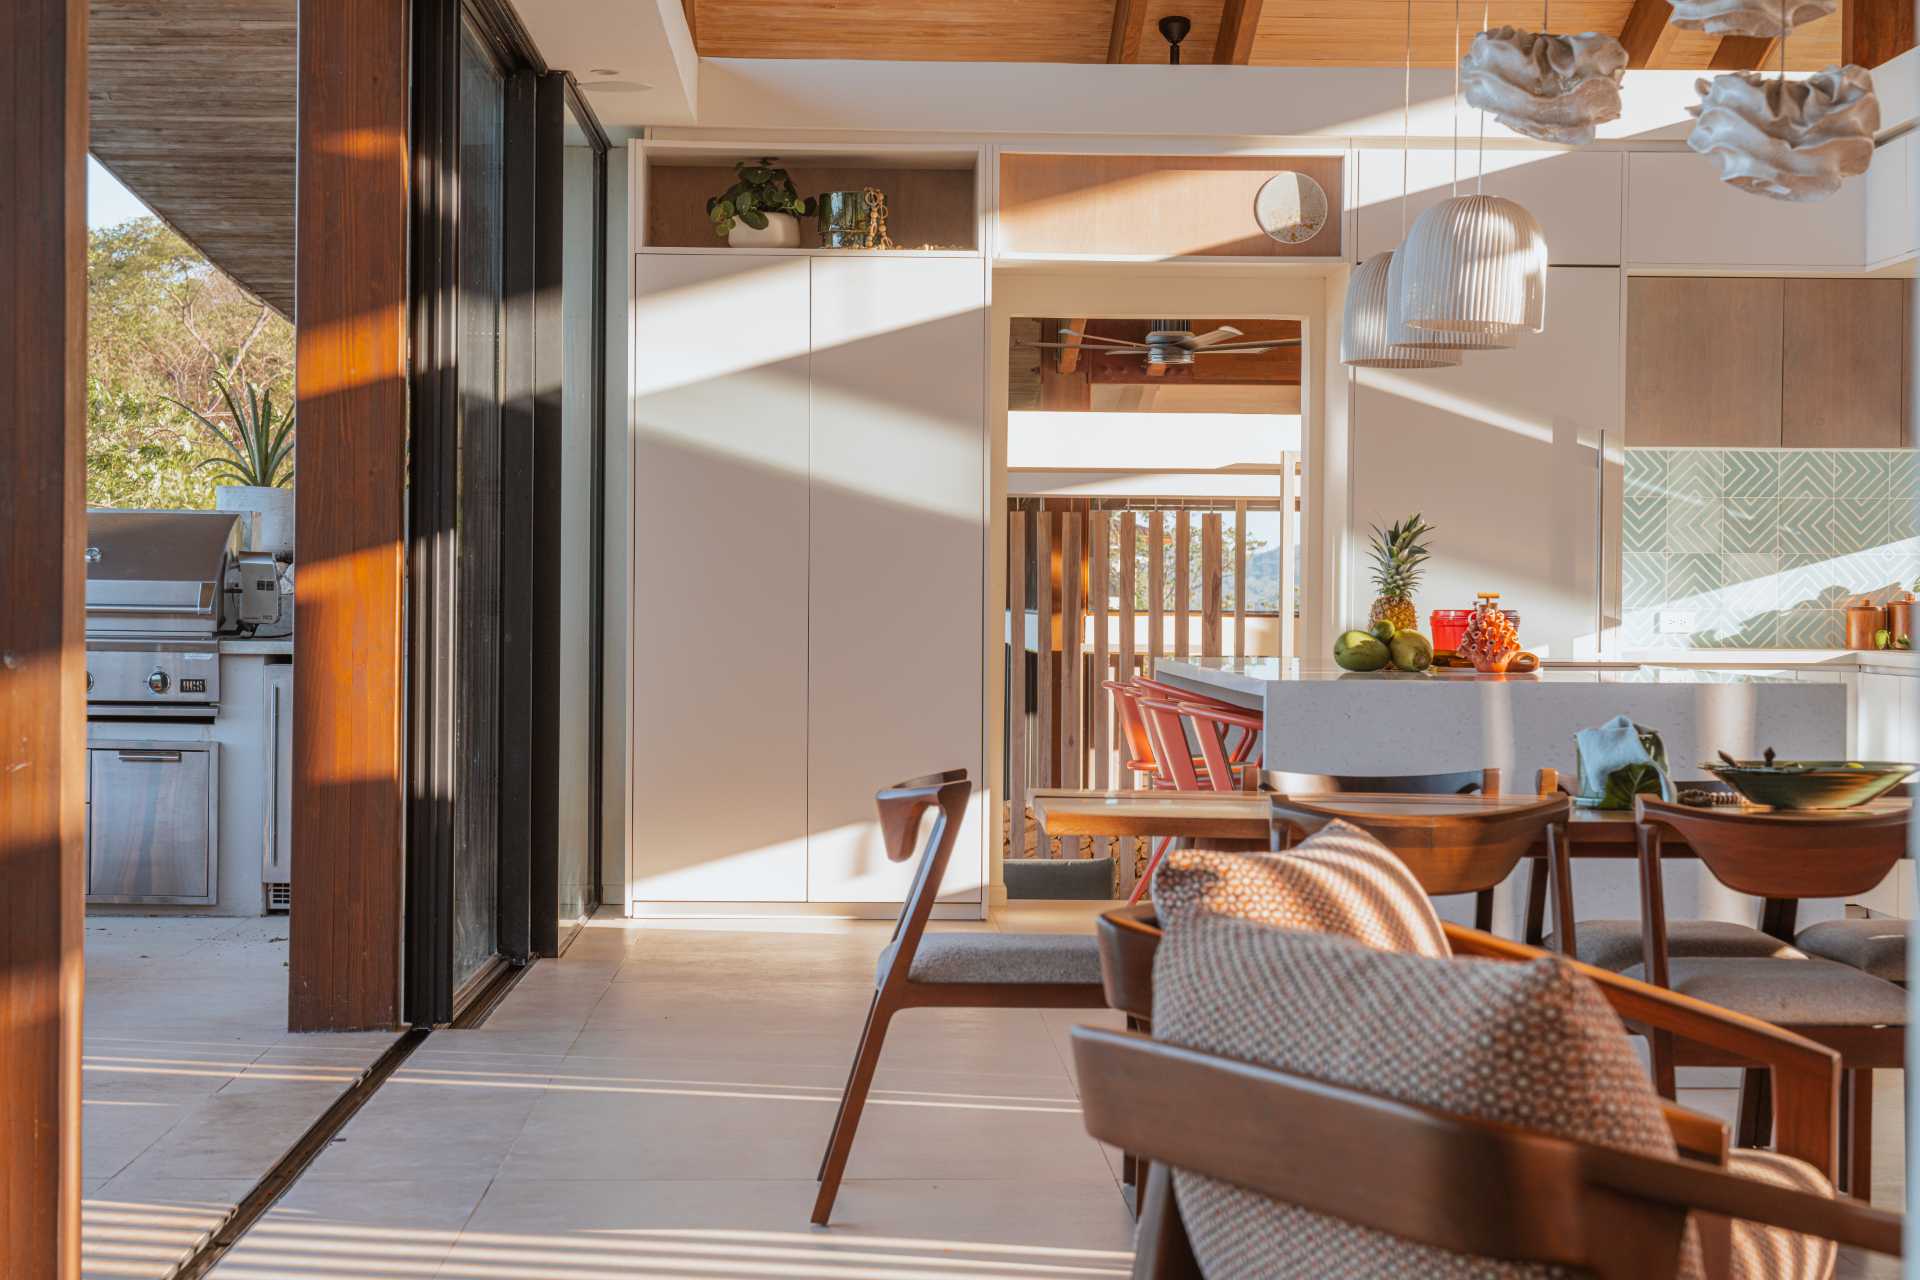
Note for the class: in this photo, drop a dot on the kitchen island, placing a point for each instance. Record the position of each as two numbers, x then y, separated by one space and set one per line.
1320 719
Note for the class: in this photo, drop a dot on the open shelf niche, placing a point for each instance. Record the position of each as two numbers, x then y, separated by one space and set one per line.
933 193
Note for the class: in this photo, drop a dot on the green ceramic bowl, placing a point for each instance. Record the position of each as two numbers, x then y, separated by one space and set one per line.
1811 784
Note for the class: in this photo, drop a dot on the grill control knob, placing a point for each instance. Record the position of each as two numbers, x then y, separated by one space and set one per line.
89 682
158 682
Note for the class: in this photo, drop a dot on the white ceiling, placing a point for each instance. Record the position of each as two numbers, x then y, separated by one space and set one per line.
614 46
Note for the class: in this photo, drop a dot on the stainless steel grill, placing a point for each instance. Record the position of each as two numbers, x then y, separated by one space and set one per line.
162 588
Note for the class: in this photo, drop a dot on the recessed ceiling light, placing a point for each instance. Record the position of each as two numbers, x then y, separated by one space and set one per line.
616 86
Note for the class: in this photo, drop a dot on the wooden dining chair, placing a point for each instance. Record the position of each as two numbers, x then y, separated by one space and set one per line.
959 969
1418 1174
1780 857
1448 853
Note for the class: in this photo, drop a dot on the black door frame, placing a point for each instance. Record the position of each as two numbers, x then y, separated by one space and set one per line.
529 621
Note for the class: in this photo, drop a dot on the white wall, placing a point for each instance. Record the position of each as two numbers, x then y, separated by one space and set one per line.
1502 456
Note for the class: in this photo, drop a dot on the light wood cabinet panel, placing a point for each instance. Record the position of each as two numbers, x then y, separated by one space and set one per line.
720 499
1704 361
1844 344
896 554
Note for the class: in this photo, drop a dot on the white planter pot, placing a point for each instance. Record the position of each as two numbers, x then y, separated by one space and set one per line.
782 232
271 510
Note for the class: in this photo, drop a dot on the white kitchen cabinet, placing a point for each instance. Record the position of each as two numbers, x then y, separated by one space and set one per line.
1574 194
1533 417
810 517
720 509
1679 213
897 554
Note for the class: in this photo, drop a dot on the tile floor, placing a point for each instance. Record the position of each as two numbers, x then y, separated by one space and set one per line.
191 1086
654 1105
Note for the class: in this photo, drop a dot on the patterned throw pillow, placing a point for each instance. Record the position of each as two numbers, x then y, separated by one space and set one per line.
1340 880
1530 1045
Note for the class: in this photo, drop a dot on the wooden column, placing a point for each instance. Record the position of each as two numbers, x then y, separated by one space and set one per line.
349 699
1017 684
43 315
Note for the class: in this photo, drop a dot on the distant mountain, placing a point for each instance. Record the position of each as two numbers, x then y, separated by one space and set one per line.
1263 581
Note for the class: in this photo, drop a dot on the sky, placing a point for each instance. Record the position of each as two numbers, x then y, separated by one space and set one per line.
108 203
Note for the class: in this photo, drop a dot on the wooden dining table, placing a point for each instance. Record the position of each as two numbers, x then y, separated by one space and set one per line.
1246 815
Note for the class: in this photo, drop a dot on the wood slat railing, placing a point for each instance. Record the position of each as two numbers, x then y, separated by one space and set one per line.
1087 603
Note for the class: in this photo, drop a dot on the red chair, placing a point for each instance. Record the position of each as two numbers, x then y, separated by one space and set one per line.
1167 722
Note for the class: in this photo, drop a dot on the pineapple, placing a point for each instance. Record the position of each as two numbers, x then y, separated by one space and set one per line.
1398 553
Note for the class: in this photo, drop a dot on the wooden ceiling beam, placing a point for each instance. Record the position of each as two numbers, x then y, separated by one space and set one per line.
1129 21
1070 354
1743 53
1239 24
1646 32
1874 32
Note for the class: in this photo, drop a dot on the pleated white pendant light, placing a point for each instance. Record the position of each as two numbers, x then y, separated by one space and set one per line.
1364 341
1472 272
1363 334
1475 265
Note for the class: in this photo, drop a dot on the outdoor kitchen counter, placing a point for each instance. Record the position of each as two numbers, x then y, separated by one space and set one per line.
276 648
1320 719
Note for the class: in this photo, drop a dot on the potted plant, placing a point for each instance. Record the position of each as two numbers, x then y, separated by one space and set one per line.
761 209
257 458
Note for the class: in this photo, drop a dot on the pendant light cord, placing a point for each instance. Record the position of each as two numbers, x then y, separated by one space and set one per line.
1456 99
1406 123
1480 179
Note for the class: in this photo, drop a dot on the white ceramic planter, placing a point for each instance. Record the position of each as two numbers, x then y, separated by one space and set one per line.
782 232
272 511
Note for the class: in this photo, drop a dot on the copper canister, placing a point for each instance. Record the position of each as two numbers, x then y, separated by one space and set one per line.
1863 620
1903 618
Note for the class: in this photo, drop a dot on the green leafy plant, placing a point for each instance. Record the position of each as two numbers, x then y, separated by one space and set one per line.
258 441
758 189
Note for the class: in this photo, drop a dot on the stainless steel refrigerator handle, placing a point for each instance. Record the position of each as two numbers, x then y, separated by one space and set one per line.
150 757
273 782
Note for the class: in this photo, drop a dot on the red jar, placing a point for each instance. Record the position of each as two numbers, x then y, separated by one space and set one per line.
1449 627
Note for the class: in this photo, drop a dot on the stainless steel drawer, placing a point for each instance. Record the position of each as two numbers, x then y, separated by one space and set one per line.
151 828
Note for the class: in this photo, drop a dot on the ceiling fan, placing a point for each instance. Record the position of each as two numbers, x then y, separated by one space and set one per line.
1169 342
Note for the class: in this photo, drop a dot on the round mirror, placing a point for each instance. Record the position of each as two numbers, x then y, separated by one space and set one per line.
1291 207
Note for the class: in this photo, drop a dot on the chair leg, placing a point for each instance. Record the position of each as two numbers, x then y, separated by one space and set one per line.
833 1163
1483 911
1858 1166
1146 876
1536 932
1660 1043
1755 1127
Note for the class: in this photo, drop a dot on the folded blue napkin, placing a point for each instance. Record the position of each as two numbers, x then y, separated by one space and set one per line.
1605 752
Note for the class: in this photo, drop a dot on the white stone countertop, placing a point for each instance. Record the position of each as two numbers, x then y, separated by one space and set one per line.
1254 675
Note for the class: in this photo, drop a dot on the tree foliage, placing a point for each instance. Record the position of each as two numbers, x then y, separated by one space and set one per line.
162 322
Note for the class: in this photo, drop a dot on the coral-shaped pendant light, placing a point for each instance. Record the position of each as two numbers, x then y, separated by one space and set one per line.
1550 87
1769 18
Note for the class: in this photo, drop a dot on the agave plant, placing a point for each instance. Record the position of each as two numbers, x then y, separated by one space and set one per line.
258 442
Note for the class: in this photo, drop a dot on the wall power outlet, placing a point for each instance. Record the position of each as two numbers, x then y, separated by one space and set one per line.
1678 622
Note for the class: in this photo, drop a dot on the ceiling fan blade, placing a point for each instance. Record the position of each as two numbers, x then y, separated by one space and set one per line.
1094 337
1271 345
1213 337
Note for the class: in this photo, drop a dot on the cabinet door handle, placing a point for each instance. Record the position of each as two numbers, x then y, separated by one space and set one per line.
149 757
273 782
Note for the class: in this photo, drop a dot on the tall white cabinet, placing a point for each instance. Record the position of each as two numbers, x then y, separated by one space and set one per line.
810 531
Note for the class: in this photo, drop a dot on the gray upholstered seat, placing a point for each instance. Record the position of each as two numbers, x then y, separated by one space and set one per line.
1790 992
1614 945
1876 946
1000 957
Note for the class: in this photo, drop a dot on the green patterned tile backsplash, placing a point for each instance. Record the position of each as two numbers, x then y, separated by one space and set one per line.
1763 546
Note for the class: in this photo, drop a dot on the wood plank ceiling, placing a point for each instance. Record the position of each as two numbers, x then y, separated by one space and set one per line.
193 110
1305 33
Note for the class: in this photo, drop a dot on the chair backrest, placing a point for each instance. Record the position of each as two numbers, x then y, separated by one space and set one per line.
1166 722
1444 1180
1210 725
902 807
1126 699
1460 782
1786 854
1457 852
